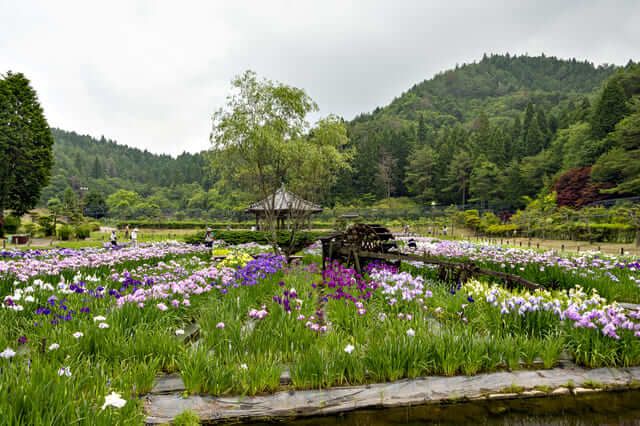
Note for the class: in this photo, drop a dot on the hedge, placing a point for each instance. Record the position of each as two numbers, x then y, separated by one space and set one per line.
303 238
146 224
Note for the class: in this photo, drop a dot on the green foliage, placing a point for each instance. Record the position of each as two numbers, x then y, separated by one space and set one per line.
82 231
472 219
186 418
261 144
47 224
492 132
25 145
11 224
65 232
302 239
621 165
95 204
610 109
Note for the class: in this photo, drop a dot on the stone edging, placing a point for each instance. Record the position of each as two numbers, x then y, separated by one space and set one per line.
162 408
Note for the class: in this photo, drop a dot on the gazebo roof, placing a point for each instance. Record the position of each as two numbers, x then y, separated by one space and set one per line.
284 201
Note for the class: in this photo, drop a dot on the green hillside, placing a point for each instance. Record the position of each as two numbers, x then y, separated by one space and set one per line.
487 133
463 135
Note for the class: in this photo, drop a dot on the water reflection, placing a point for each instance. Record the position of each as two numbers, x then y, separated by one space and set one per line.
601 408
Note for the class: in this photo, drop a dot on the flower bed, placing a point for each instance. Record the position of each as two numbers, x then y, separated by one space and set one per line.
86 336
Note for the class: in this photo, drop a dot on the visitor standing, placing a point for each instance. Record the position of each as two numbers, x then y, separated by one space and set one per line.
134 237
126 232
114 239
444 230
208 238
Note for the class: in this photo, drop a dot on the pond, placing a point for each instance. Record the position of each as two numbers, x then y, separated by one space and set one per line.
599 408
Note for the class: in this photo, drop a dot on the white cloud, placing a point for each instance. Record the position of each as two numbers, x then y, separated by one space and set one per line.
150 73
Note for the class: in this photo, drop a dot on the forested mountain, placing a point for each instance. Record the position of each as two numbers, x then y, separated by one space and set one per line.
490 133
475 133
148 183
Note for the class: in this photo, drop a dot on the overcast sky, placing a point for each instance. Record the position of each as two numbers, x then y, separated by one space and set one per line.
150 73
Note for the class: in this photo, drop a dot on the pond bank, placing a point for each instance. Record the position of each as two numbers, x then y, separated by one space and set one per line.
162 408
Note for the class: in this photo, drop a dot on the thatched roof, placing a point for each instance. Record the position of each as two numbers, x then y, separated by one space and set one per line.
284 201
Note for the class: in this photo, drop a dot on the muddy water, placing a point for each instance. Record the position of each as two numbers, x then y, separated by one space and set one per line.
601 408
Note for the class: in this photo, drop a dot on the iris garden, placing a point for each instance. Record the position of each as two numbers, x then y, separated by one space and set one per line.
86 332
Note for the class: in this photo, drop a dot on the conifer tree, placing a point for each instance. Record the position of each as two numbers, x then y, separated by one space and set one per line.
610 109
25 146
422 130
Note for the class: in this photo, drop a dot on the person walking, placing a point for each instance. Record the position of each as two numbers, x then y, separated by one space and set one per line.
134 237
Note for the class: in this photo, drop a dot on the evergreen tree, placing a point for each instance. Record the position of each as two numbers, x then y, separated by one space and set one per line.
97 168
483 182
610 109
25 146
95 205
529 114
535 138
420 173
516 147
422 130
458 175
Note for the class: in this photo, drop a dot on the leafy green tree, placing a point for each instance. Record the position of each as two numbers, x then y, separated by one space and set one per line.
25 146
260 141
95 205
69 202
420 173
459 174
122 203
55 207
609 109
621 165
483 183
97 168
422 130
534 140
511 185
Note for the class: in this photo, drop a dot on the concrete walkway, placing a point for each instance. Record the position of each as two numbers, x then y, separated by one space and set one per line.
163 407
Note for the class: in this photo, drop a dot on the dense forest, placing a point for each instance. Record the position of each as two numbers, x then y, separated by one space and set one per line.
492 133
124 181
489 132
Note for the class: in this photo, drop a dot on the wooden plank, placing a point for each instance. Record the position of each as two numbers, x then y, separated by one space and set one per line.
469 267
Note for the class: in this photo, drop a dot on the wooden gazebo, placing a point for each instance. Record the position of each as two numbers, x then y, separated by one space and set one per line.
286 205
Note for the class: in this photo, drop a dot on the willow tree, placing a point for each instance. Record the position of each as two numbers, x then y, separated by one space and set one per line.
262 140
25 146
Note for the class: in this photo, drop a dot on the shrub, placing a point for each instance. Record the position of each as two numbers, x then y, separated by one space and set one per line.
11 224
302 240
472 219
30 228
47 226
83 231
499 230
64 232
